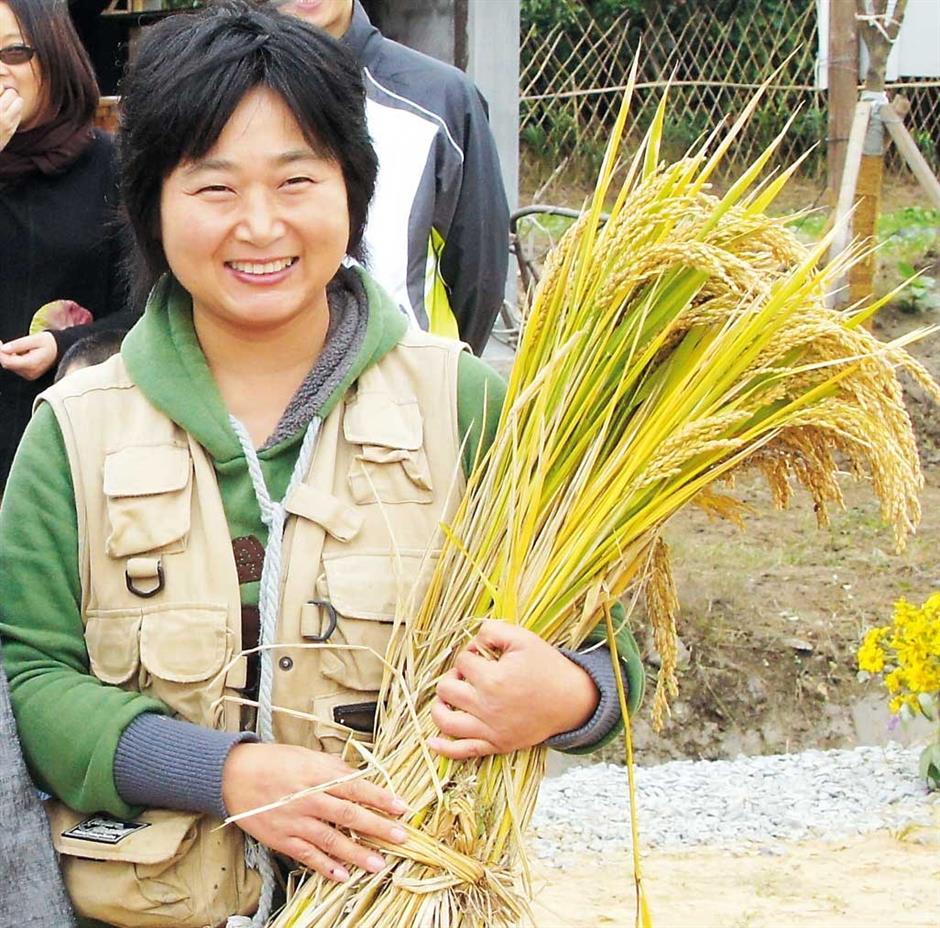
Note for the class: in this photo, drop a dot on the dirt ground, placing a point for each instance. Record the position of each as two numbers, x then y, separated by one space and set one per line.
870 882
772 615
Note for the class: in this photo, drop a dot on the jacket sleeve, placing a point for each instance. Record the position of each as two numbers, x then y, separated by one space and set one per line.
31 892
632 673
475 254
480 395
56 700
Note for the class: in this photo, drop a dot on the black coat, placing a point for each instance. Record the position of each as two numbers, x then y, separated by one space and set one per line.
59 239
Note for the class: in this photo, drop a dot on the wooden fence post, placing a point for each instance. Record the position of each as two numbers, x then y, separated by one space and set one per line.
879 32
843 87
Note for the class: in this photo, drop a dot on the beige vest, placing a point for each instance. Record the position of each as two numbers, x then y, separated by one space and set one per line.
160 593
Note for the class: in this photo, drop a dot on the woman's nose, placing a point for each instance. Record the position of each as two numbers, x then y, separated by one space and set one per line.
260 222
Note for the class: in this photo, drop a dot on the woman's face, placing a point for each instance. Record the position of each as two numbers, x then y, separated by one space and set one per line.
24 79
257 228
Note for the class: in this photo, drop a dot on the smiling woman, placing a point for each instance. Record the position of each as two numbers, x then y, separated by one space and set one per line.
233 506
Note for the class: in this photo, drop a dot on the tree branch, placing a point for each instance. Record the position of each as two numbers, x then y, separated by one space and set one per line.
894 24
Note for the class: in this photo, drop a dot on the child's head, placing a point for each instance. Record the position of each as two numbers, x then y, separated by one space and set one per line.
90 350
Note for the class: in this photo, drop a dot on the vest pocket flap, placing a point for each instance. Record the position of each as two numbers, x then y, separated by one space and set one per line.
343 522
368 586
390 476
359 668
148 499
112 641
146 471
374 418
184 645
154 837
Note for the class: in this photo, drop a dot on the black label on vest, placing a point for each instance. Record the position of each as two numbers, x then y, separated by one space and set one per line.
102 829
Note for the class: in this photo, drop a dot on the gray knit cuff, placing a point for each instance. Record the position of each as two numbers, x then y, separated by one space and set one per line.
166 763
597 664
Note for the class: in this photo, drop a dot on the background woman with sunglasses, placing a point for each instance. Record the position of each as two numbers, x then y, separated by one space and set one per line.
46 198
58 236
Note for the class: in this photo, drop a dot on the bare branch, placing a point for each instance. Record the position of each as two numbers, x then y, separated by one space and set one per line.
897 19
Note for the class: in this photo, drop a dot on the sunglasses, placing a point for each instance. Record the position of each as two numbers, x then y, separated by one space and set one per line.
17 54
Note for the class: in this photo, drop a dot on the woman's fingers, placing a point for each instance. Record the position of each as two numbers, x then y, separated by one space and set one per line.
11 112
472 667
312 858
30 356
456 692
325 768
456 723
368 794
335 846
310 828
462 749
356 818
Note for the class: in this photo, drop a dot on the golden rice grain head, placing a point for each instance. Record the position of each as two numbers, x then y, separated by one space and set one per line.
662 607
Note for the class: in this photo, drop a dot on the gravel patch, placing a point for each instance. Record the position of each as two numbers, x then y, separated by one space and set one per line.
746 802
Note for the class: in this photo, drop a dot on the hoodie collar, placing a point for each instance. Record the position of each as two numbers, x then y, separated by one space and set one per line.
164 358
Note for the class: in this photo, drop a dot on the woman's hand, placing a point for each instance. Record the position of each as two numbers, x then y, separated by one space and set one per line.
30 356
529 693
256 775
11 112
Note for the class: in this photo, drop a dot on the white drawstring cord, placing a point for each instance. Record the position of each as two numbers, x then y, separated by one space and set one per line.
274 516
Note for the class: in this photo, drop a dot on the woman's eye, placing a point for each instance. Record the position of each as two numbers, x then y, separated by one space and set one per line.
297 181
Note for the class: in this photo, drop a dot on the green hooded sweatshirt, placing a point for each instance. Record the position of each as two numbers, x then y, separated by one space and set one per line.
56 700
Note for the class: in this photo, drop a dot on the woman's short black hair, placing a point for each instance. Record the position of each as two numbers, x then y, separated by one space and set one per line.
191 72
69 88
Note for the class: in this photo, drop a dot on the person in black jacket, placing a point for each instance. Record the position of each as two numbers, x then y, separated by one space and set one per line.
438 231
58 234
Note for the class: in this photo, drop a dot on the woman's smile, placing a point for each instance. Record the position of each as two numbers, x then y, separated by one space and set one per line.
264 272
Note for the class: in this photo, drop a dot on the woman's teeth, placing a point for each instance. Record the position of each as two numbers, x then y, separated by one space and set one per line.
253 267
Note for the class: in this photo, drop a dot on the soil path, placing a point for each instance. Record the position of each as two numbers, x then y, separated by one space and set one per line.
869 882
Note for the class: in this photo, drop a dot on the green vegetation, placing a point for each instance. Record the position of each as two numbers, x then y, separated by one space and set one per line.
908 246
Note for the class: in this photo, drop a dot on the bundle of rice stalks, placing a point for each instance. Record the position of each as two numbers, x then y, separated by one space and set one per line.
680 341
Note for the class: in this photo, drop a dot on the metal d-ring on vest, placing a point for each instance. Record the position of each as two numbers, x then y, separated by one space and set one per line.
274 516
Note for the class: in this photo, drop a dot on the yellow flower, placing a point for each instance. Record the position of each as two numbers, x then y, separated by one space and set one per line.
871 656
893 681
906 653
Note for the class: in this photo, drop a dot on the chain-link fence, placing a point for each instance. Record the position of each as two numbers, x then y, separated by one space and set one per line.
573 77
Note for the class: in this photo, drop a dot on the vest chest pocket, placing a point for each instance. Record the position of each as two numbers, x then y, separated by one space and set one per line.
112 639
364 589
173 653
183 650
391 465
148 491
